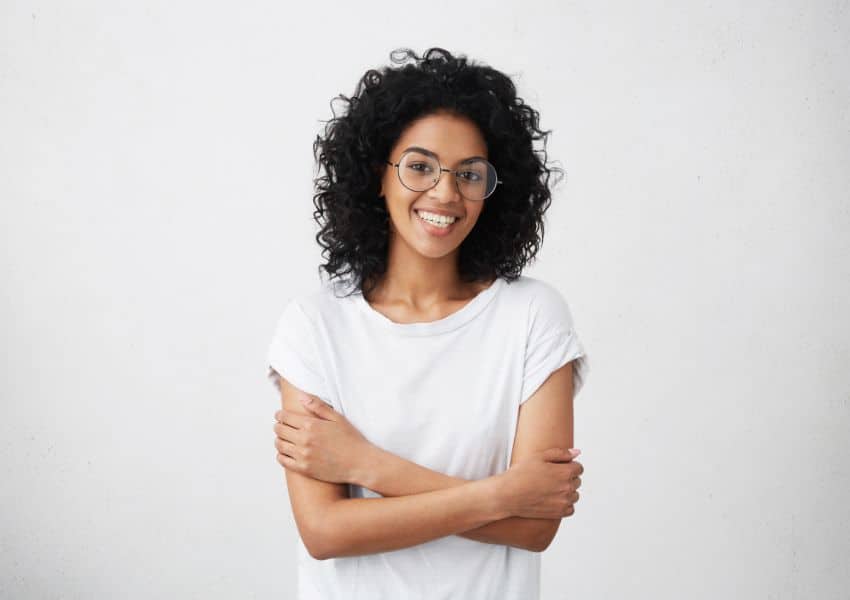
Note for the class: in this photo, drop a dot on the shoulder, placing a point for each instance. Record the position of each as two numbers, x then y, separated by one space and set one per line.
319 308
312 303
545 307
536 294
532 287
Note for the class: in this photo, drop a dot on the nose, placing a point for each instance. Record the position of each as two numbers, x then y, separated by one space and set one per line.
446 188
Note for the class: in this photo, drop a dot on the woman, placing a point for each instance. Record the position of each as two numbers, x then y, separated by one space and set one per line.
427 387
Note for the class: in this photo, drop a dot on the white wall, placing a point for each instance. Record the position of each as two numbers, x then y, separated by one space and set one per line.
155 180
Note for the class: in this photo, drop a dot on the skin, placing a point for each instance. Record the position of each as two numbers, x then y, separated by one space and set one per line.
325 445
422 281
537 491
321 451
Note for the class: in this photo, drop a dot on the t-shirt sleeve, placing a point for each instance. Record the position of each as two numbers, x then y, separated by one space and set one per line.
293 352
551 342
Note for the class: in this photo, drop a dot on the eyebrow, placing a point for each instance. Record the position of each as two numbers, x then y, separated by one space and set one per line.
434 154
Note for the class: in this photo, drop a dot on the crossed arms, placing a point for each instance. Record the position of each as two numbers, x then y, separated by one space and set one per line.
421 504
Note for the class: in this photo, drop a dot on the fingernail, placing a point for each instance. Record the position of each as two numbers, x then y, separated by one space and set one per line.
575 452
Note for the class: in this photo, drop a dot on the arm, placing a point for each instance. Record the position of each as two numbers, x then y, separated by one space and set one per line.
545 421
331 524
392 475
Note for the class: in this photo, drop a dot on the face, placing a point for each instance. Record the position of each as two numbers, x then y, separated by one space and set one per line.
450 139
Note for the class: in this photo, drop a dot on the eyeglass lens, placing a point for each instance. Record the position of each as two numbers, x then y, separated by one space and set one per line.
476 179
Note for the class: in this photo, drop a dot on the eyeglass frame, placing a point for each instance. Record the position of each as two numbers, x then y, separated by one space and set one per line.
443 170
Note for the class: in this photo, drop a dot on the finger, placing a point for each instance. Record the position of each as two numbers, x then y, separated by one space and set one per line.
287 462
285 447
290 434
319 408
279 427
293 419
556 455
282 431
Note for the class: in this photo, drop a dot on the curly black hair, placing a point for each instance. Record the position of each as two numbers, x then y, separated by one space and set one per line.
350 156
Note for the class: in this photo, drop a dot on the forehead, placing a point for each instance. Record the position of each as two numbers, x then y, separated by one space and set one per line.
450 137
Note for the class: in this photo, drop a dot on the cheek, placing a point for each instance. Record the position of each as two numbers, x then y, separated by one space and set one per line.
391 183
400 200
473 213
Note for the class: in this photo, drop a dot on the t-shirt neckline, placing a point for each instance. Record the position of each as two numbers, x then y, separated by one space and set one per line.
448 323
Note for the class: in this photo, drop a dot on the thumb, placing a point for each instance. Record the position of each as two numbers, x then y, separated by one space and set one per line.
318 408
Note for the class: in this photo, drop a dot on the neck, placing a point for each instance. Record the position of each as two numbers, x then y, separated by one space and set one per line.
419 281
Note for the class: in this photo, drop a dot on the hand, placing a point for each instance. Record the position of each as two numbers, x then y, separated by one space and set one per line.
543 486
323 445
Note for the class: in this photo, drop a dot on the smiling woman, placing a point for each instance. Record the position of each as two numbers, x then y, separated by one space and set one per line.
427 386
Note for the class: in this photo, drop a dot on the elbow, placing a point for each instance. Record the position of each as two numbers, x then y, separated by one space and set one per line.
322 536
318 555
318 540
545 535
318 548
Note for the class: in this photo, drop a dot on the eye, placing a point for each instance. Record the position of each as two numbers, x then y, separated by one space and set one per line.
470 176
419 166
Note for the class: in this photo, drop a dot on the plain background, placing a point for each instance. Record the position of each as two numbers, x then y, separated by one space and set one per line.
155 180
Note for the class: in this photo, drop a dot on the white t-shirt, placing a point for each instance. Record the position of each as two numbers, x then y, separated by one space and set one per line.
444 394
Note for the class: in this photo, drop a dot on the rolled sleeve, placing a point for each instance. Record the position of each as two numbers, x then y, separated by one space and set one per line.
293 354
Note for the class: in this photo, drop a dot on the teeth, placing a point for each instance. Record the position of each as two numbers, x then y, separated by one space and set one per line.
435 218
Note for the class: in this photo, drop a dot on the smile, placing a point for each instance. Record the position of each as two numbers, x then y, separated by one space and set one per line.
436 224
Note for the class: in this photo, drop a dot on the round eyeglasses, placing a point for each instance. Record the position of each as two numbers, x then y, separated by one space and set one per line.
475 178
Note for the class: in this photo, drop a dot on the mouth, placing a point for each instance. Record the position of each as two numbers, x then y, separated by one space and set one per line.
436 229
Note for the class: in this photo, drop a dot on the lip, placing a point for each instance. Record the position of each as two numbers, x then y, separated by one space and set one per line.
433 229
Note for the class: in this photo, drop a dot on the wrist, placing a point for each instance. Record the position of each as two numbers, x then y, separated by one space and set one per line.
498 494
364 472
